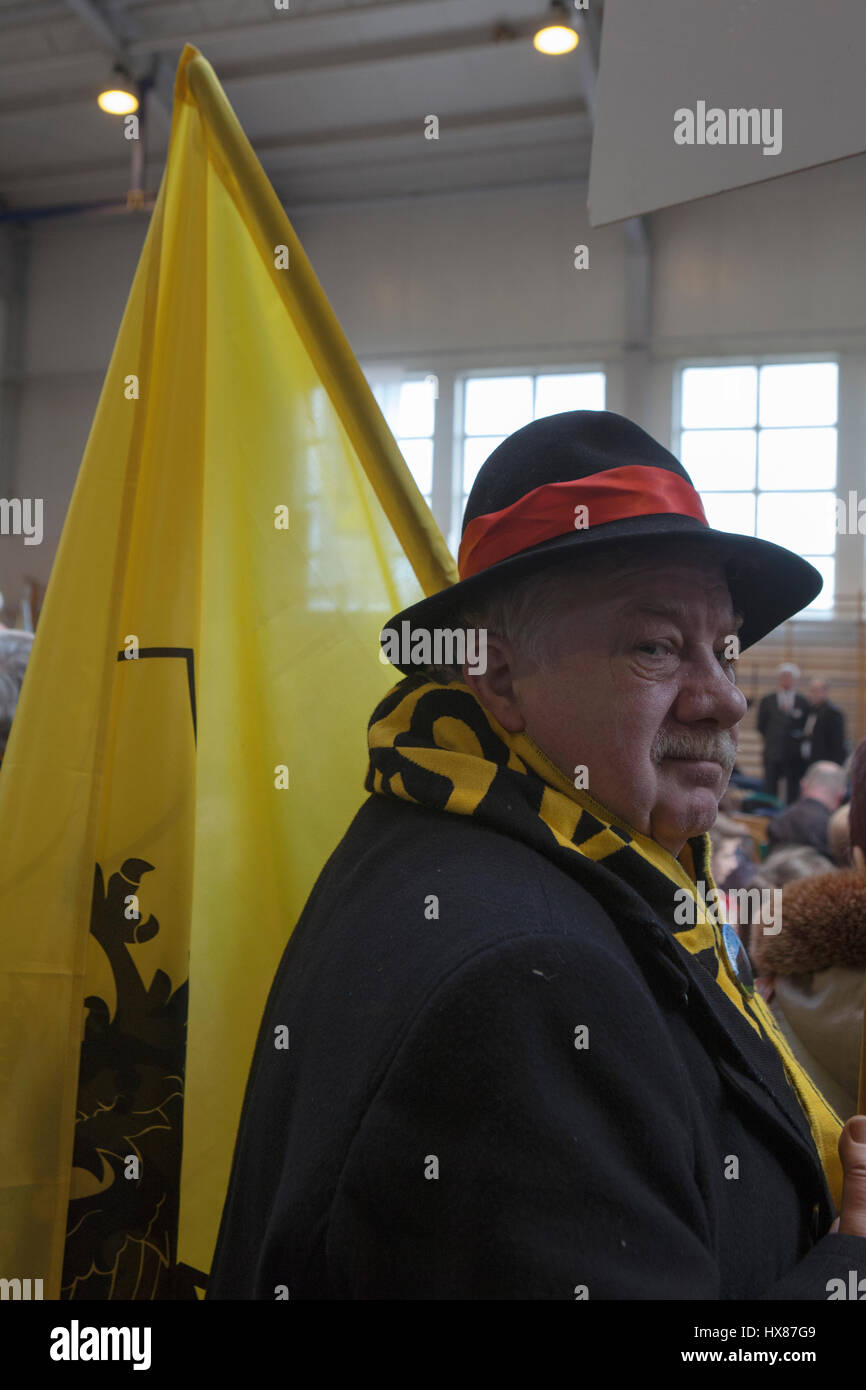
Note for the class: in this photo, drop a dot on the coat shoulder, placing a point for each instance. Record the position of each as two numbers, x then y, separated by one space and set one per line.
432 888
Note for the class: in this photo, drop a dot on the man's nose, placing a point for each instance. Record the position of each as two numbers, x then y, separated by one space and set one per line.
708 691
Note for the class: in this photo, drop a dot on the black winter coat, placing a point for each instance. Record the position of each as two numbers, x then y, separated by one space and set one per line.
826 734
782 731
804 823
441 1127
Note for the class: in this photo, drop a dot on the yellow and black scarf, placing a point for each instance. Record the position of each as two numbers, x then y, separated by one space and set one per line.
437 746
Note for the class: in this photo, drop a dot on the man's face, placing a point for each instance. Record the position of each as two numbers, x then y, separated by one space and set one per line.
817 692
639 690
786 680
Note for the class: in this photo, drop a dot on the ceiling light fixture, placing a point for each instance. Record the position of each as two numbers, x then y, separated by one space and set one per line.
555 33
121 98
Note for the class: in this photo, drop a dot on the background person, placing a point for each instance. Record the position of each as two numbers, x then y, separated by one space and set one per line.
839 837
782 866
806 822
781 717
824 731
734 859
817 963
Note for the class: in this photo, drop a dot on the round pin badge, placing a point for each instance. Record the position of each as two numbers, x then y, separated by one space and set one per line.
738 960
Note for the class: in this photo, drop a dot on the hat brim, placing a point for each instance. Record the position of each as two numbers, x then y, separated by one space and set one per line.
769 584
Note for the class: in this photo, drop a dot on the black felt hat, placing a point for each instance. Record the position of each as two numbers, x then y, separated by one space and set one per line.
558 490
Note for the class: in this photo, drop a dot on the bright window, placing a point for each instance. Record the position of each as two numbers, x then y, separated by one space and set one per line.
759 443
496 406
409 406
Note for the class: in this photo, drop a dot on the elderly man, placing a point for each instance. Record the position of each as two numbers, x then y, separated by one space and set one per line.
807 821
781 720
527 1061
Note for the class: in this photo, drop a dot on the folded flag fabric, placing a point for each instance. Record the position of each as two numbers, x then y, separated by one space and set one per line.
189 744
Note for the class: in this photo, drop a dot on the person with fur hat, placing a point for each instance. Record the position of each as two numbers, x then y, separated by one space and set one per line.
526 1052
818 962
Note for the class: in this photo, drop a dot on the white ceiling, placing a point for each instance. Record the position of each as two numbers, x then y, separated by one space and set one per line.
332 94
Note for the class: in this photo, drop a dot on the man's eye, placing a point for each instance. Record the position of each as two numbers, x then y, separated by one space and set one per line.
654 648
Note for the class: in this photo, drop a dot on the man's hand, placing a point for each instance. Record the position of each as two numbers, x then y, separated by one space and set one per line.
851 1221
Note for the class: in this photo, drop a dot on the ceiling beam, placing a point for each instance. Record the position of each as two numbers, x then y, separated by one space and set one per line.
411 46
336 14
320 60
38 13
374 134
31 16
99 27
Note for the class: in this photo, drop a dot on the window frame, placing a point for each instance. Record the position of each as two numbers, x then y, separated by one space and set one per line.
758 360
459 435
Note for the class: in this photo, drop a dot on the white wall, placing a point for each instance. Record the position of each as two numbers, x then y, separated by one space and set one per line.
483 279
781 263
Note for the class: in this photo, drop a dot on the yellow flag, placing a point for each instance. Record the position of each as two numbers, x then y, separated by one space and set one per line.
189 744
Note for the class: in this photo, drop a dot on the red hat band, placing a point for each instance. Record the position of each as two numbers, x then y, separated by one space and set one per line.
557 509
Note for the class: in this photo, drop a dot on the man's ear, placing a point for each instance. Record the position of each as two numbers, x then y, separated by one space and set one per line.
494 687
858 857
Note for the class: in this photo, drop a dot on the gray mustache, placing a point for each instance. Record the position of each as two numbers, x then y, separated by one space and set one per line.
719 747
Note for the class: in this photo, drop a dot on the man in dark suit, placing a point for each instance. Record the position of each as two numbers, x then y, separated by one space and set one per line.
781 717
824 730
525 1059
